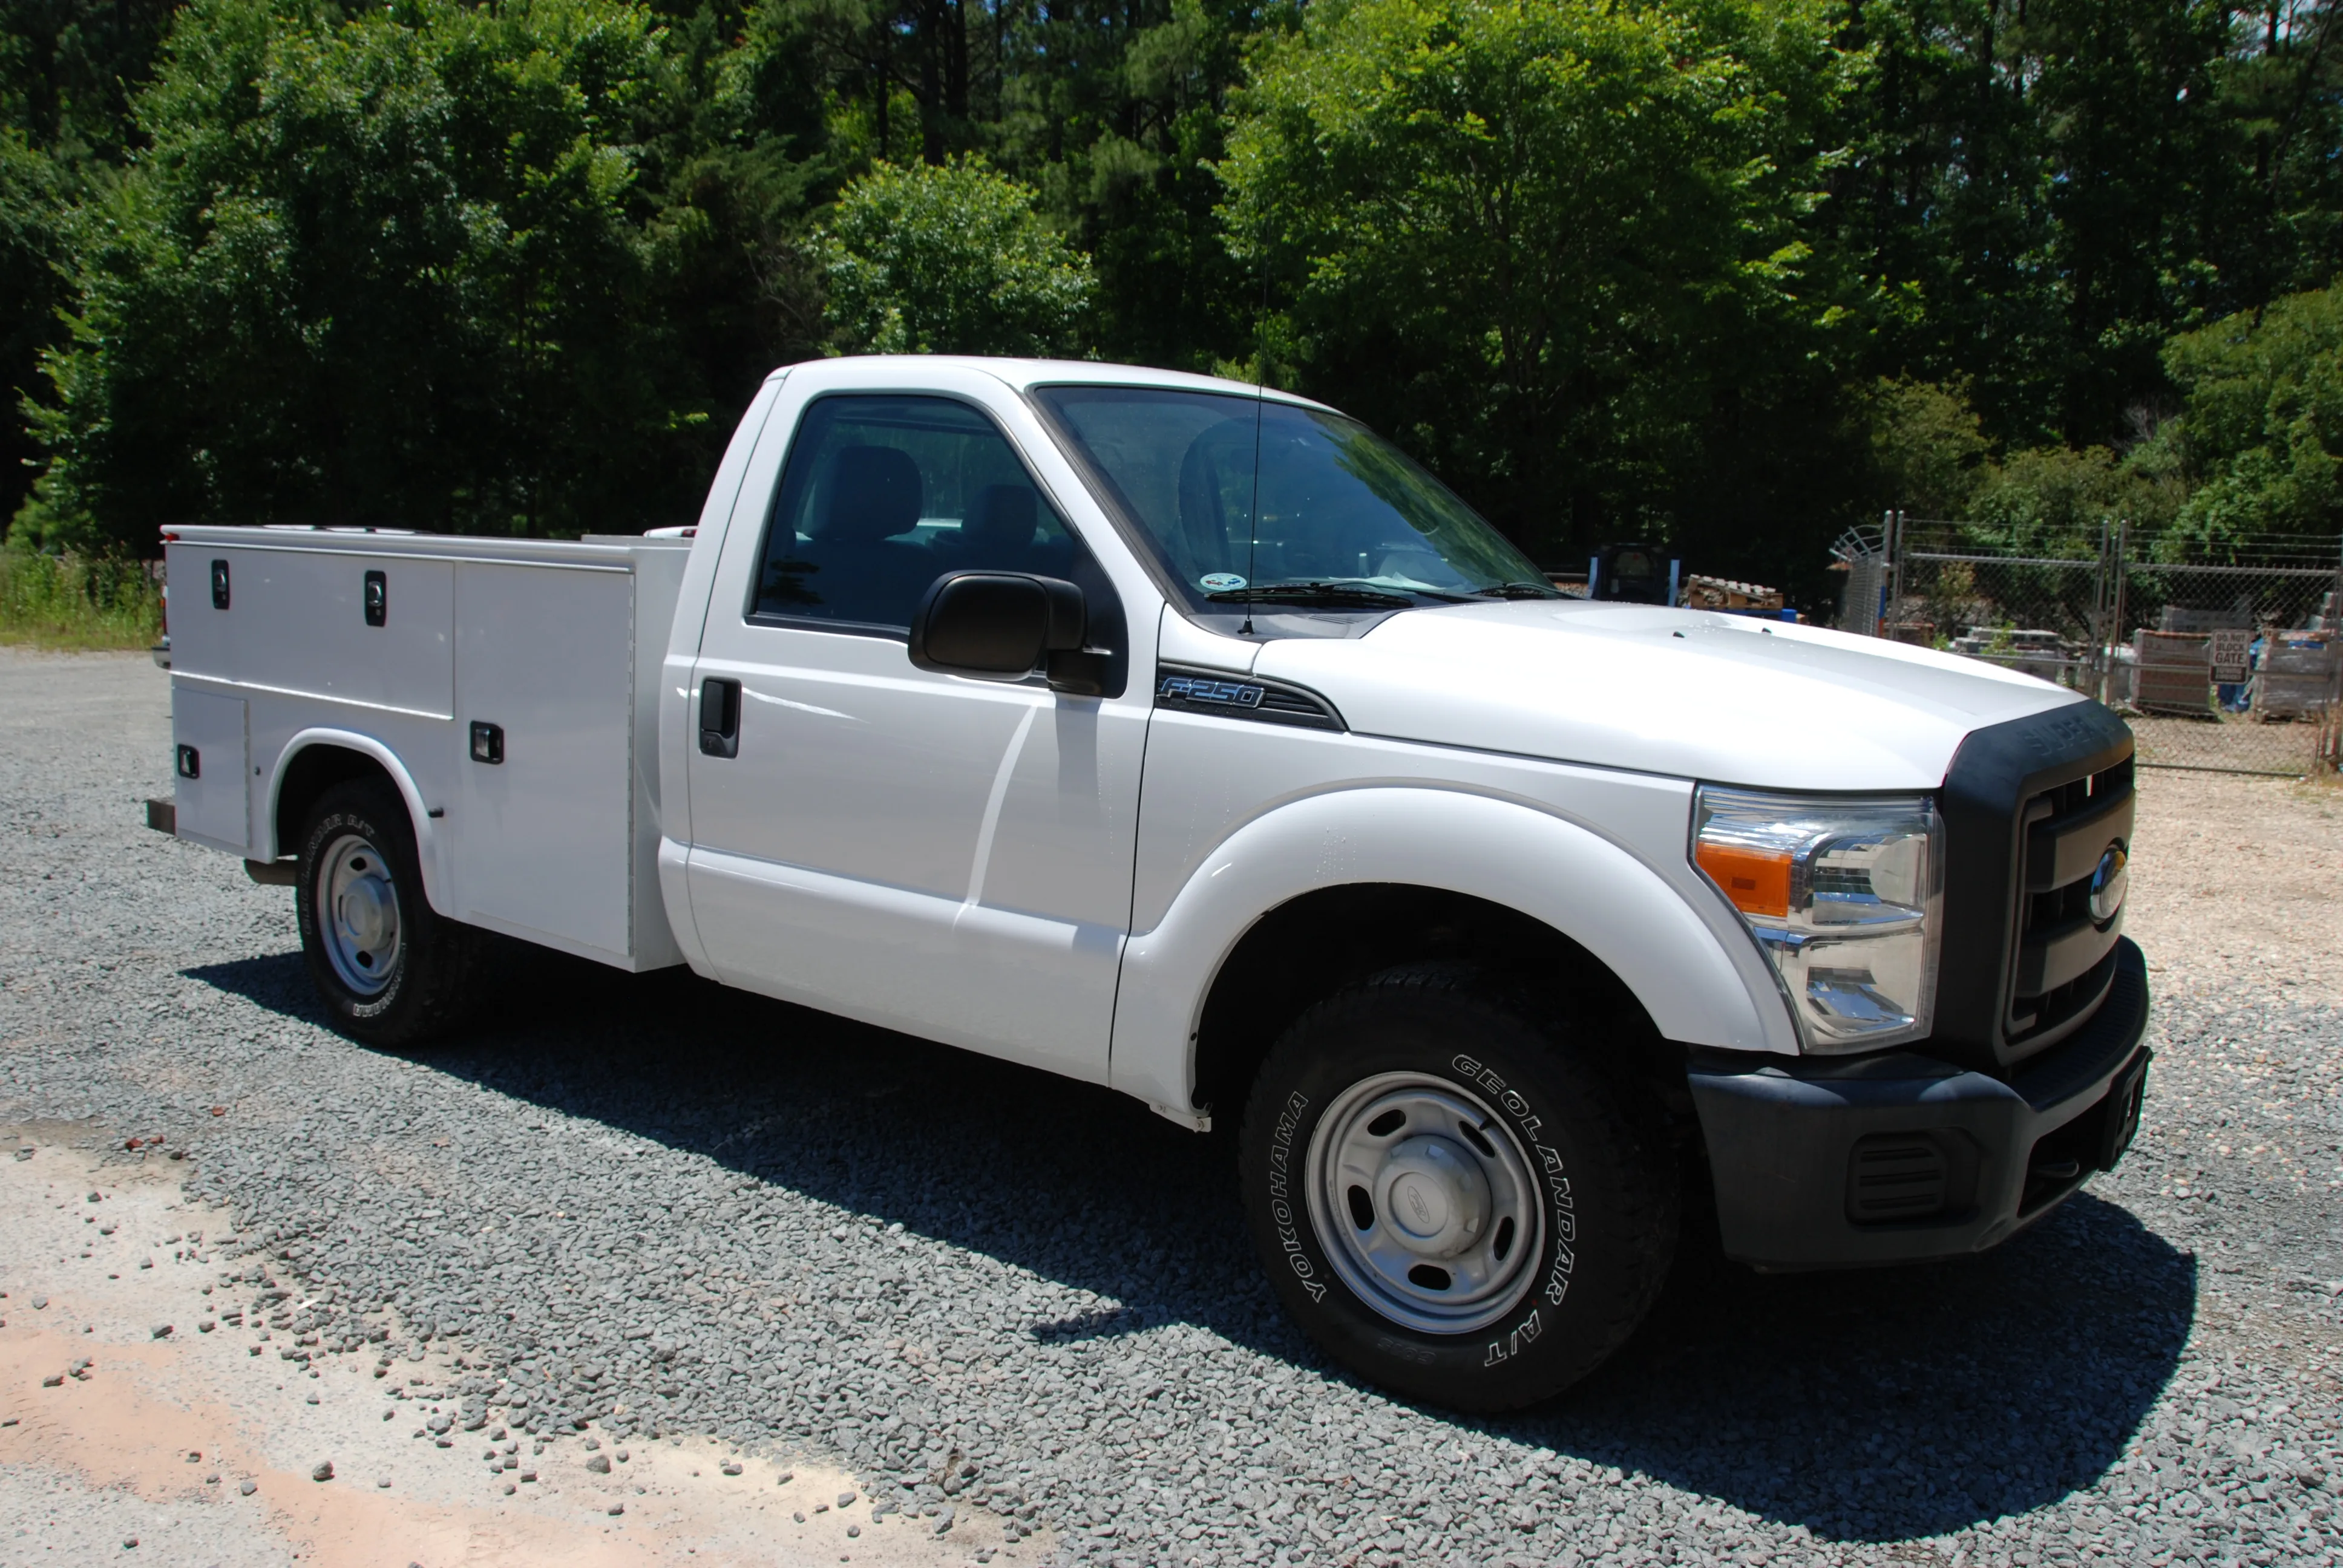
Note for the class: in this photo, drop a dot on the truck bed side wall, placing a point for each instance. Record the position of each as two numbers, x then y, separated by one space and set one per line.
548 642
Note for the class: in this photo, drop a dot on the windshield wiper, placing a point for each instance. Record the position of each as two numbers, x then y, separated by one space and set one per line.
1517 591
1332 596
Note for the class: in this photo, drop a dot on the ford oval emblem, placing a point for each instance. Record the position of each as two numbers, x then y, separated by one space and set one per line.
2107 884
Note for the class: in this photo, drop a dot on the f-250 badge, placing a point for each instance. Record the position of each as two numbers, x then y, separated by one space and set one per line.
1219 693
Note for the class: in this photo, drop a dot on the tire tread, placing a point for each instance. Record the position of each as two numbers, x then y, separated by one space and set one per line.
443 957
1645 1198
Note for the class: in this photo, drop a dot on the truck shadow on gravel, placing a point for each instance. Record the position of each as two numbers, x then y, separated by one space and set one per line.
1870 1406
1895 1402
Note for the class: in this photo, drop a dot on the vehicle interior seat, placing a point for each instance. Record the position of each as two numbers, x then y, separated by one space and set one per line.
867 572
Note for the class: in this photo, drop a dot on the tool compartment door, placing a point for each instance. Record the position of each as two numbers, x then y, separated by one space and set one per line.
544 657
211 768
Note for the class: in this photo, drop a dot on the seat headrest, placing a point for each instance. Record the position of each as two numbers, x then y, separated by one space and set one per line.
1002 518
874 494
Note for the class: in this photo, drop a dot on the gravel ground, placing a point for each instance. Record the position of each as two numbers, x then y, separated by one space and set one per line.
657 1207
137 1403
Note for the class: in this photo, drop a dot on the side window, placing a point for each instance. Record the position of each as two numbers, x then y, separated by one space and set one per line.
883 495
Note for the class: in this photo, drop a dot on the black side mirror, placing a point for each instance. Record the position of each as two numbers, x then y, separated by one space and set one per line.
1003 626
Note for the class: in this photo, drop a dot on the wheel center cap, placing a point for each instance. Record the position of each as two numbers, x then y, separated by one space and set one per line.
1433 1196
1419 1204
362 912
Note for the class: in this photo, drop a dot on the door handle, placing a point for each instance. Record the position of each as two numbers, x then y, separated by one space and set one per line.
720 718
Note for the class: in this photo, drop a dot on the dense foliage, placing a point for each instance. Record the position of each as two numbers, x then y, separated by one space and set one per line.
1733 273
950 260
1563 245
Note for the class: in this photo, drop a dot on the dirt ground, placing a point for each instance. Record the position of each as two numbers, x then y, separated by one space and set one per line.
2235 880
135 1426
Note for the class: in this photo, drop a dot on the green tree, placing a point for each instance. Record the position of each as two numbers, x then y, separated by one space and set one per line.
2262 431
402 267
1734 272
1927 445
2053 500
950 259
1558 245
1116 110
30 293
2277 200
1112 110
68 66
2046 191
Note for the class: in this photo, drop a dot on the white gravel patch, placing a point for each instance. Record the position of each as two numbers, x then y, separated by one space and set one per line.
659 1207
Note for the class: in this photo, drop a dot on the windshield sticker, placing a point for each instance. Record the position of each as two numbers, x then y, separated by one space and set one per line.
1221 582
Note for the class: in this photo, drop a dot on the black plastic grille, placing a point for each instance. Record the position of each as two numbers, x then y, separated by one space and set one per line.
1921 1176
2008 786
1298 706
2037 1016
1895 1176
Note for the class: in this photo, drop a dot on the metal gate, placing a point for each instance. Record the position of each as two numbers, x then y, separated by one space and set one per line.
2228 659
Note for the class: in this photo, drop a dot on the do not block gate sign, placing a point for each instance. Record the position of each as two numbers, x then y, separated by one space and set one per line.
2229 656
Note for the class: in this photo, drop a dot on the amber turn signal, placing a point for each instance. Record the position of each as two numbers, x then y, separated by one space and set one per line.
1756 880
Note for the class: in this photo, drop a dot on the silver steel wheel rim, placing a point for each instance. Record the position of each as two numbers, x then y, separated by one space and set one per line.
1450 1196
358 907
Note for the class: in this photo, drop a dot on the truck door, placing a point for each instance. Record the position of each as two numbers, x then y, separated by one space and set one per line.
945 856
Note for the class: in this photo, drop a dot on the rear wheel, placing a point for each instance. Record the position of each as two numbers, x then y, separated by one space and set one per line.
392 971
1450 1195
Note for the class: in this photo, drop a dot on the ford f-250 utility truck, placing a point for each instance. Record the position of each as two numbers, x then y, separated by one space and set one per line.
1188 739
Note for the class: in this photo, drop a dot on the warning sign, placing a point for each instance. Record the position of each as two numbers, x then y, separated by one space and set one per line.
2230 655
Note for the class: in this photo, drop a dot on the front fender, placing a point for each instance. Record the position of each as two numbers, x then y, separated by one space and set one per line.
1583 885
427 829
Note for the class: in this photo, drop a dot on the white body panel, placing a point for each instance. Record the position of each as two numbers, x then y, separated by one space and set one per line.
943 856
671 718
535 653
1242 817
1050 878
558 843
1687 693
209 734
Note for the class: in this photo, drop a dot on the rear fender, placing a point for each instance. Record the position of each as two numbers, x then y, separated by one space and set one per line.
428 841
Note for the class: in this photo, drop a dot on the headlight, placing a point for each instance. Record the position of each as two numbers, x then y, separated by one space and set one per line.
1844 897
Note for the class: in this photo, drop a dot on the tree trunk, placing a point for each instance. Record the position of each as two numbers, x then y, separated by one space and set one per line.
930 88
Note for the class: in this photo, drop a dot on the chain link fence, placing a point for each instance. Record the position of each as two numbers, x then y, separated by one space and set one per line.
2228 660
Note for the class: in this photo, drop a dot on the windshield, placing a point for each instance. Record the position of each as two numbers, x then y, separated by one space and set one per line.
1346 521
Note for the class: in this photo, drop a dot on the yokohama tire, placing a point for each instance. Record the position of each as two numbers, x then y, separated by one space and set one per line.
392 971
1596 1217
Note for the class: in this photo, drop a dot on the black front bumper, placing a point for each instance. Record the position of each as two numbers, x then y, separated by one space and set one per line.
1899 1157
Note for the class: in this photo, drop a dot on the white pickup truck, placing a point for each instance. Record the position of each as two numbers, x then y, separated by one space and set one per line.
1189 739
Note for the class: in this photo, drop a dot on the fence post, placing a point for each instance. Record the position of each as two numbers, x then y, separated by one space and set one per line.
2114 619
2100 655
2329 744
1895 604
1875 622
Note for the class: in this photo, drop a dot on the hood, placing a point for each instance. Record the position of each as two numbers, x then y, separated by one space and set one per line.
1690 694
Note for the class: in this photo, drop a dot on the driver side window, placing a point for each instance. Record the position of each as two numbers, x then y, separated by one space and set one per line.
883 495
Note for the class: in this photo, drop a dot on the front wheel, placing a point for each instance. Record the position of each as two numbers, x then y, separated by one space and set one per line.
392 971
1450 1196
